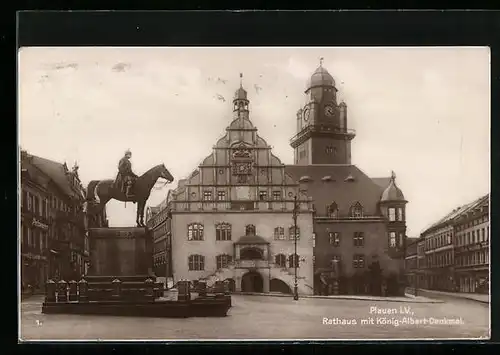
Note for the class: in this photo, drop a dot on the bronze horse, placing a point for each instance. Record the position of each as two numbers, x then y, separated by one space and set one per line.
102 191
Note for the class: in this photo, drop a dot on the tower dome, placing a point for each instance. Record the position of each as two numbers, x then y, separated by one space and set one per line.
321 77
240 94
392 192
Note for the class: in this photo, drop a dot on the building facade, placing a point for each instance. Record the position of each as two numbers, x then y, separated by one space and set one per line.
158 220
52 221
359 222
453 253
232 218
35 226
472 252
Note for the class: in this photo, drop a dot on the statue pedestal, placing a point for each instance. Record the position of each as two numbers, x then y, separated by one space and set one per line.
120 251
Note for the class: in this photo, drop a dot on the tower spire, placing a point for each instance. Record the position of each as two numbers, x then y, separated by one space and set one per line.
321 61
241 80
393 175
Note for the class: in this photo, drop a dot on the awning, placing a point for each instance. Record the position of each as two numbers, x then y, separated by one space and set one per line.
251 239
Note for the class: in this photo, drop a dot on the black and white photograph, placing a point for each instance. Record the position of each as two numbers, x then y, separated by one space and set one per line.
253 193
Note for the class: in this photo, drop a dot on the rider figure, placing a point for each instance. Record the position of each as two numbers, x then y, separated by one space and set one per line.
125 173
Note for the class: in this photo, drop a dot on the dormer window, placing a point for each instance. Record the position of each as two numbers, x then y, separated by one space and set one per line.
349 178
357 210
332 210
304 179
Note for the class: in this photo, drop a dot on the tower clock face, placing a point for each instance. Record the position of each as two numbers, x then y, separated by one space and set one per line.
306 114
329 110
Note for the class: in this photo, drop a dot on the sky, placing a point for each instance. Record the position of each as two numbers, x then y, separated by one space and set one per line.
423 112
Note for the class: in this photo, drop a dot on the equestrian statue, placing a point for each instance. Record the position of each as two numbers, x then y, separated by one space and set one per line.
127 187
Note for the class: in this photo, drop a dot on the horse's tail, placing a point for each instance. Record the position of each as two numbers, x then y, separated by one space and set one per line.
91 190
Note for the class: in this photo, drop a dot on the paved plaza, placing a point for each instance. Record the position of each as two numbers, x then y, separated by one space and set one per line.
265 317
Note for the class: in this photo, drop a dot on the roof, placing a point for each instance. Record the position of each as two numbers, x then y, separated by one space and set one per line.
392 192
457 212
383 182
56 172
344 193
320 77
240 94
251 239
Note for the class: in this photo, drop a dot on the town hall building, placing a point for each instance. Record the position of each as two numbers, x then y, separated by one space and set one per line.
232 218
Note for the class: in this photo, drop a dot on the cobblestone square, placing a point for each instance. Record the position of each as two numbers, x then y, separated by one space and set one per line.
262 317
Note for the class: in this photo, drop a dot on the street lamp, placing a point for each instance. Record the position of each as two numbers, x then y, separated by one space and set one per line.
295 258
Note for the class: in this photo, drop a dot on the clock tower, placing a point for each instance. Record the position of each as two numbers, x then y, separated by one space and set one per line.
322 134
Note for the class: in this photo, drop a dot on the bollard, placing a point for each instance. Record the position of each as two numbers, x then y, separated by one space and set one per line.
83 290
335 287
62 295
50 291
202 288
149 288
73 292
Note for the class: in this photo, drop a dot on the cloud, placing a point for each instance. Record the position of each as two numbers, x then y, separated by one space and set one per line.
120 67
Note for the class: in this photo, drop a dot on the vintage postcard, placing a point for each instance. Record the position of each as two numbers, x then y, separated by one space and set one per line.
288 193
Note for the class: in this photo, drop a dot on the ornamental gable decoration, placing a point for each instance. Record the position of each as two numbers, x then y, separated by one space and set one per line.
242 162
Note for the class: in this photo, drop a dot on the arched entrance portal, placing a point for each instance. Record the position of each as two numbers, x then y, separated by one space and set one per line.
252 282
279 286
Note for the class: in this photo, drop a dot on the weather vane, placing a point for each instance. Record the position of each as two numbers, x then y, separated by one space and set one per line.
321 61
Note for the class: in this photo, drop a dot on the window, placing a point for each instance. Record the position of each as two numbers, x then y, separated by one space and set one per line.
221 195
482 235
196 262
262 195
276 195
357 210
358 261
36 205
25 238
400 214
359 239
195 231
279 233
392 214
207 195
294 233
400 240
280 260
223 231
392 239
448 238
314 240
331 150
332 210
250 229
334 238
293 260
44 208
223 261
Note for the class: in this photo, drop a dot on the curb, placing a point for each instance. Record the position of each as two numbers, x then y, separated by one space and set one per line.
452 296
357 298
